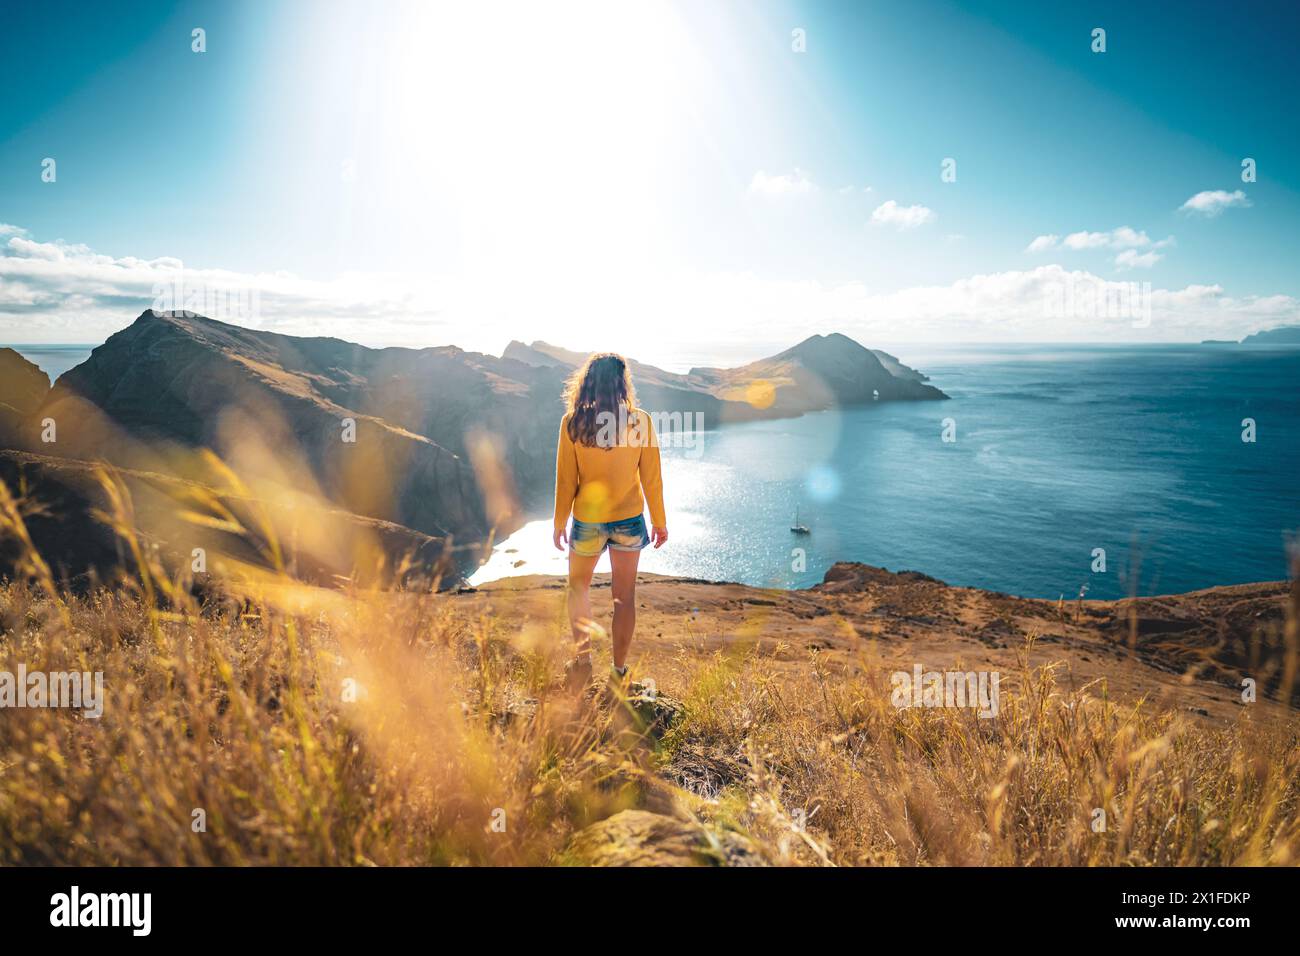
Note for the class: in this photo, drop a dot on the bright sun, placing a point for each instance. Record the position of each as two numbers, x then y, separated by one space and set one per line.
531 156
551 126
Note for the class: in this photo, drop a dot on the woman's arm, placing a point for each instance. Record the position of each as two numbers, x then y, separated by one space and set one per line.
652 483
566 480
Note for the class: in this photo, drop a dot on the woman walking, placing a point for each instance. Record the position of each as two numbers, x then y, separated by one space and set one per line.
607 473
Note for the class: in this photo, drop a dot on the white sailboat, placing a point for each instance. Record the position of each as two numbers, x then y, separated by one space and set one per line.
798 528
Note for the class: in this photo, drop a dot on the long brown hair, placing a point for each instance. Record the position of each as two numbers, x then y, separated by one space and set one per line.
603 384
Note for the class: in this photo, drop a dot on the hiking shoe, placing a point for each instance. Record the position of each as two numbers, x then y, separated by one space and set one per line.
577 675
618 684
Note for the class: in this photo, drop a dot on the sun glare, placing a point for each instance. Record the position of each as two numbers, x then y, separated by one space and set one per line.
519 163
549 129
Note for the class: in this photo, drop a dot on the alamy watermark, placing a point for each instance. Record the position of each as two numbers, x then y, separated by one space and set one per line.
133 911
76 690
660 429
1086 297
228 303
922 688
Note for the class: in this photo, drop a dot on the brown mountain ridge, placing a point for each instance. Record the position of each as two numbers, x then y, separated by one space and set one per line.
451 445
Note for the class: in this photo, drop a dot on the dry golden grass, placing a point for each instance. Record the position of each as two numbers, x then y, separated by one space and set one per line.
242 705
945 787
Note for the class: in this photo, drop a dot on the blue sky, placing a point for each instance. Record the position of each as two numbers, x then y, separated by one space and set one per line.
675 180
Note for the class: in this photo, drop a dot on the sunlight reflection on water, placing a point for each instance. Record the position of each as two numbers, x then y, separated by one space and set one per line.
1146 467
530 551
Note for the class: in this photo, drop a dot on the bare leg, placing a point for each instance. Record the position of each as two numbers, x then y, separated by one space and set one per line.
623 567
579 602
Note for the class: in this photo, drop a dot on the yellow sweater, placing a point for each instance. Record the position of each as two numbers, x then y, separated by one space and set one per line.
609 484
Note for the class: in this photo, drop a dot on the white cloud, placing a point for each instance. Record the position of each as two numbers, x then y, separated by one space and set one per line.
1045 304
7 230
1211 202
1086 240
52 251
890 213
782 185
1014 306
58 292
1124 239
1132 259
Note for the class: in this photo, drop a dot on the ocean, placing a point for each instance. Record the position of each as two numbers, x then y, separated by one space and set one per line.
54 360
1113 470
1058 451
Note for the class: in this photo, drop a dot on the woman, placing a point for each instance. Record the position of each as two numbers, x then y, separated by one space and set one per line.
606 474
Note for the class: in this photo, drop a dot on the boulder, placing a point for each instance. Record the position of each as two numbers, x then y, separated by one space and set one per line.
654 713
641 838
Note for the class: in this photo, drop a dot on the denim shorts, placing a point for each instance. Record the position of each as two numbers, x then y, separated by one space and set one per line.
590 539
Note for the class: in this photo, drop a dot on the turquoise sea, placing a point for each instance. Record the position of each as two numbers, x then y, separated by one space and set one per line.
54 360
1059 450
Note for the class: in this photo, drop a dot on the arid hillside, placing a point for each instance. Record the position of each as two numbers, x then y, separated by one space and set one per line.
276 653
1191 651
437 444
361 727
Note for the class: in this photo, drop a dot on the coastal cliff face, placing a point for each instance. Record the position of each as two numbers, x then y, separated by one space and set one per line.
316 544
23 387
448 445
382 433
821 372
824 371
1283 336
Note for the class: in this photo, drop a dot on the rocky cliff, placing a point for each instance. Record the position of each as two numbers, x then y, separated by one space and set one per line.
23 387
444 444
1282 335
383 433
821 372
207 533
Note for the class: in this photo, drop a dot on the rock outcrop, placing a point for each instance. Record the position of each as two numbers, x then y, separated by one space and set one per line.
641 838
654 713
314 544
387 434
1282 335
23 387
440 444
656 389
821 372
1287 336
896 368
177 380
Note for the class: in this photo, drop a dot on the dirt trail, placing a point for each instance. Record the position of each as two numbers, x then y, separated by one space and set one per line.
1188 650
